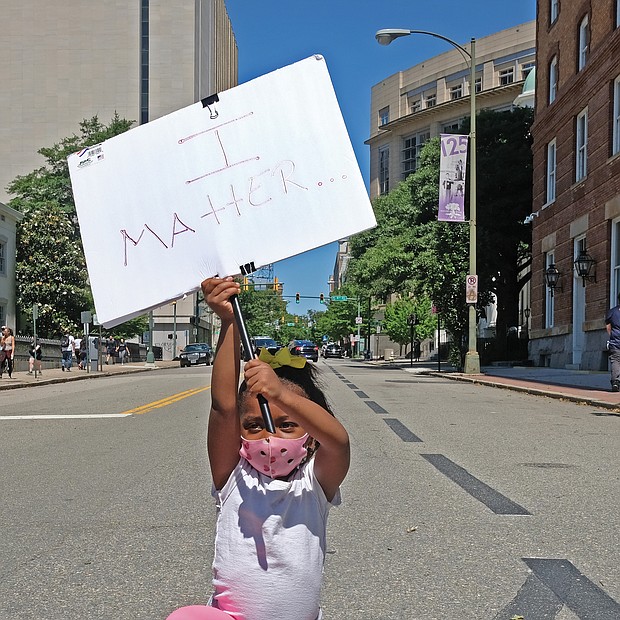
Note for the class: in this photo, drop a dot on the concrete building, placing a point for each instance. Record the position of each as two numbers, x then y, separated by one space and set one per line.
412 106
576 210
67 60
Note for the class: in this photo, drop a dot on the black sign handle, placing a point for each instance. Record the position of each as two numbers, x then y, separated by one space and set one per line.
248 354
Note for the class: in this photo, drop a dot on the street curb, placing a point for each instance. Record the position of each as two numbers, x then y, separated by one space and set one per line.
76 377
478 380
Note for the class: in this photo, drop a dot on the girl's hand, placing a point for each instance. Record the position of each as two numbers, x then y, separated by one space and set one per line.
261 379
217 293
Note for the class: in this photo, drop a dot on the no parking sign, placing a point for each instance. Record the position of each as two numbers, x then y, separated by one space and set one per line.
471 289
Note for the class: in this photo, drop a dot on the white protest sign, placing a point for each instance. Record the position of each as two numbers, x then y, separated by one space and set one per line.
265 173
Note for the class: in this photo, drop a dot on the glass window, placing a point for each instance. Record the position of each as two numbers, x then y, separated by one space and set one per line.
384 170
526 67
584 43
553 79
551 171
415 105
478 85
615 145
2 258
581 165
555 10
412 147
451 127
431 100
384 116
549 299
456 91
615 262
507 76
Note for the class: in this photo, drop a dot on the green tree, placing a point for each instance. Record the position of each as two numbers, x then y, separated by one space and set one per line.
51 271
50 266
396 321
262 310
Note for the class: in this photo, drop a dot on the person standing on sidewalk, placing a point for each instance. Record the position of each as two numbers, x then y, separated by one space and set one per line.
67 347
612 322
122 350
8 348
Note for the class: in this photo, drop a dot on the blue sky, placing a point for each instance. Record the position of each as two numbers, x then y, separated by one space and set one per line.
273 33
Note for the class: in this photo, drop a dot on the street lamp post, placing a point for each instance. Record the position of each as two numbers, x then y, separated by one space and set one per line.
385 37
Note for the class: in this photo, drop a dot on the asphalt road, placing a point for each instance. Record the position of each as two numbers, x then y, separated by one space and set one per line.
463 501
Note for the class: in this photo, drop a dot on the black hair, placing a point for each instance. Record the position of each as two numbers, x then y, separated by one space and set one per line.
306 378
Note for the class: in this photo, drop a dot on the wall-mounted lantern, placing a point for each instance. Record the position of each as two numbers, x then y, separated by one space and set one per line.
552 278
584 264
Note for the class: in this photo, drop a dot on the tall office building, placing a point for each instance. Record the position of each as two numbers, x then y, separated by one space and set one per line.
67 60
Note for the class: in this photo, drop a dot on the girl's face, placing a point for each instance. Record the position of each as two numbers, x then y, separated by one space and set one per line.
253 427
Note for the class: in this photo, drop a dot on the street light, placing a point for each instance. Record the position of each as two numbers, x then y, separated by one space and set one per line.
385 37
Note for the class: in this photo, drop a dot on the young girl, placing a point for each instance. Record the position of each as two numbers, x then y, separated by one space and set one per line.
273 492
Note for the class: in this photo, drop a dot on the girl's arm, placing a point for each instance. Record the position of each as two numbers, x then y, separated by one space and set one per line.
333 456
224 433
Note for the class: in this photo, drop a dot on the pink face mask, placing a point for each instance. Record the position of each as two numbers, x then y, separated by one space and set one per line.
274 457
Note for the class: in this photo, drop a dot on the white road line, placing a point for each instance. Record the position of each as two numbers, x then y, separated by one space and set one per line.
64 417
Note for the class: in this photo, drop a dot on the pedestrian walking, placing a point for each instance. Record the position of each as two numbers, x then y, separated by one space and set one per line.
122 350
612 322
7 344
35 358
67 348
111 350
272 502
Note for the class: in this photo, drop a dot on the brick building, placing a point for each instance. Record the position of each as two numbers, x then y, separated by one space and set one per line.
576 194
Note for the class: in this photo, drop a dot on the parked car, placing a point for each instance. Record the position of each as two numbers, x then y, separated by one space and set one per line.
197 353
332 350
264 342
304 348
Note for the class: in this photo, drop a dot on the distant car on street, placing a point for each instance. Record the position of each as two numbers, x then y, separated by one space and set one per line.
264 342
305 348
196 353
332 350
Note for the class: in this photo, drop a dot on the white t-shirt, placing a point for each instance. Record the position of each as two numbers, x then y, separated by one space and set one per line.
270 545
71 345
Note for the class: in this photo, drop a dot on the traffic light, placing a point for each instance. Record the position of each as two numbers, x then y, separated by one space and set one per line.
296 319
296 298
322 298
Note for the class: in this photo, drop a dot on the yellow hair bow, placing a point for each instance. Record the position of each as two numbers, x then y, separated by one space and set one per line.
281 358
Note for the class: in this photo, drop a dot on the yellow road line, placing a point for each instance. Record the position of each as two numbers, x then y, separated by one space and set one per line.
166 401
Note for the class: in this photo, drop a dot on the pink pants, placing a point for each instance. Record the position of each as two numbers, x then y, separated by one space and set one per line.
198 612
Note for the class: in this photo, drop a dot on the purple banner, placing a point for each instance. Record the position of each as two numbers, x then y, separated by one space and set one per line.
452 178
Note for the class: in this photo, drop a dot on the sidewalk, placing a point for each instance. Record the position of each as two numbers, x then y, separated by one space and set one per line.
22 379
581 386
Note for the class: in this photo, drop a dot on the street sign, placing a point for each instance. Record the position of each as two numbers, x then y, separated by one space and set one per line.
290 324
86 317
35 311
359 320
471 289
339 298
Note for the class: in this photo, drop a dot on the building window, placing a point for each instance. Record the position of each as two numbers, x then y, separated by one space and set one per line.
384 116
615 262
384 170
451 127
431 100
526 68
2 257
551 171
144 62
478 85
456 92
581 164
549 299
553 79
555 10
615 144
584 43
414 105
507 76
412 147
